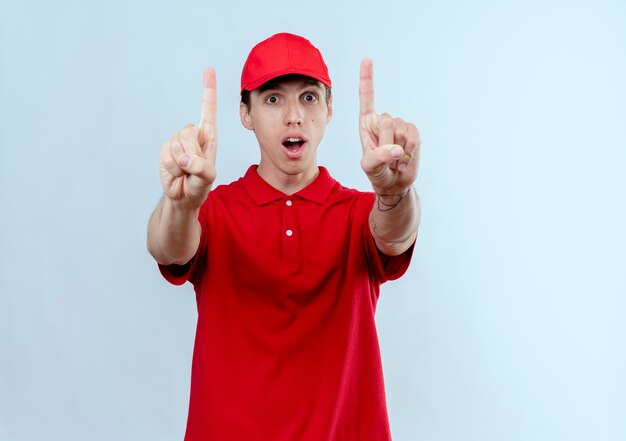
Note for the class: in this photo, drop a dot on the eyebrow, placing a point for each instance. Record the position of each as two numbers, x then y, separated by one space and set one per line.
277 84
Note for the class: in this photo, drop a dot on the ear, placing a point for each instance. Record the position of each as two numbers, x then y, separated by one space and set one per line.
246 119
329 116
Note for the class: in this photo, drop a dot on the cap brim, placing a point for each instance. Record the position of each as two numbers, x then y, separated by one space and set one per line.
253 85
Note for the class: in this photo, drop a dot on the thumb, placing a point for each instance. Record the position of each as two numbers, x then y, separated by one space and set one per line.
196 166
381 156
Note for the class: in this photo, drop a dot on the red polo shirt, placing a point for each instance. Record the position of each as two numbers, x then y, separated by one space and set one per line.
286 286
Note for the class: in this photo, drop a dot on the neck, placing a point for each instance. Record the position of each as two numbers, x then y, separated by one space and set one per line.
286 183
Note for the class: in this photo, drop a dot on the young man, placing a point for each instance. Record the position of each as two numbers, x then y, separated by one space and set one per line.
286 263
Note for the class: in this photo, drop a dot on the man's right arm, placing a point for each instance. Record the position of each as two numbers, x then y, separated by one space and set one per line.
173 233
187 174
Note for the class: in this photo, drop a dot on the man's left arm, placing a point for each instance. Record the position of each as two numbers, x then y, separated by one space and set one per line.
394 220
391 150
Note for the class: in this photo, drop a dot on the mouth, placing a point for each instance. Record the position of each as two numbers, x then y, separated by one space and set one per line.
294 146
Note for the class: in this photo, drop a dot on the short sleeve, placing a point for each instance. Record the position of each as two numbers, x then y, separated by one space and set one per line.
176 274
384 267
179 274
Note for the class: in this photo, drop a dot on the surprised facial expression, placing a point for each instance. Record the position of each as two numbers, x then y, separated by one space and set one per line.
289 117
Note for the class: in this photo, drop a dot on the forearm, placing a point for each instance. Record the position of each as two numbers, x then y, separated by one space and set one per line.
394 220
173 232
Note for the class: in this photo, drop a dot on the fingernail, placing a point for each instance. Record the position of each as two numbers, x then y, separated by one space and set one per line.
206 77
402 166
184 161
397 152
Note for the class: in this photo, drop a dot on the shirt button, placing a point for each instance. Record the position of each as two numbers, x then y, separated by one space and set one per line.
289 233
288 202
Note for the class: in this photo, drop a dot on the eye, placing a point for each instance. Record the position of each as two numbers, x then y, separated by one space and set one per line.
271 99
309 97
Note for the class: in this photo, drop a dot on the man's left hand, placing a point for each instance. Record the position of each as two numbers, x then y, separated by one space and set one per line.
391 146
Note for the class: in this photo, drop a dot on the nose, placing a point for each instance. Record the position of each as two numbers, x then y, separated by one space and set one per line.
294 114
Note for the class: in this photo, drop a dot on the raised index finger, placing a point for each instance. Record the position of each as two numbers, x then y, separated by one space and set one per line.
209 98
366 87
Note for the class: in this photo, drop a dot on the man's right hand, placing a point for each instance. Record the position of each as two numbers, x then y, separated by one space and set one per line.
188 157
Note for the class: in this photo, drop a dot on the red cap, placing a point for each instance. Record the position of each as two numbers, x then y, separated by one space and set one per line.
283 54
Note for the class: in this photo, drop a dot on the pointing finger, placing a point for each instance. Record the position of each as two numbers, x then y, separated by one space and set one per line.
366 87
209 96
209 106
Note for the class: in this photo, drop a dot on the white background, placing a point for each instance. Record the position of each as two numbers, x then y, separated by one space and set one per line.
509 324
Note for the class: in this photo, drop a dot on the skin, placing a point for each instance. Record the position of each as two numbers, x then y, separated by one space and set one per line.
187 164
294 108
391 153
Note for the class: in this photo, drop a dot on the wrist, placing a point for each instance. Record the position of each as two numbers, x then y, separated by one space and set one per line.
184 205
391 190
387 200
